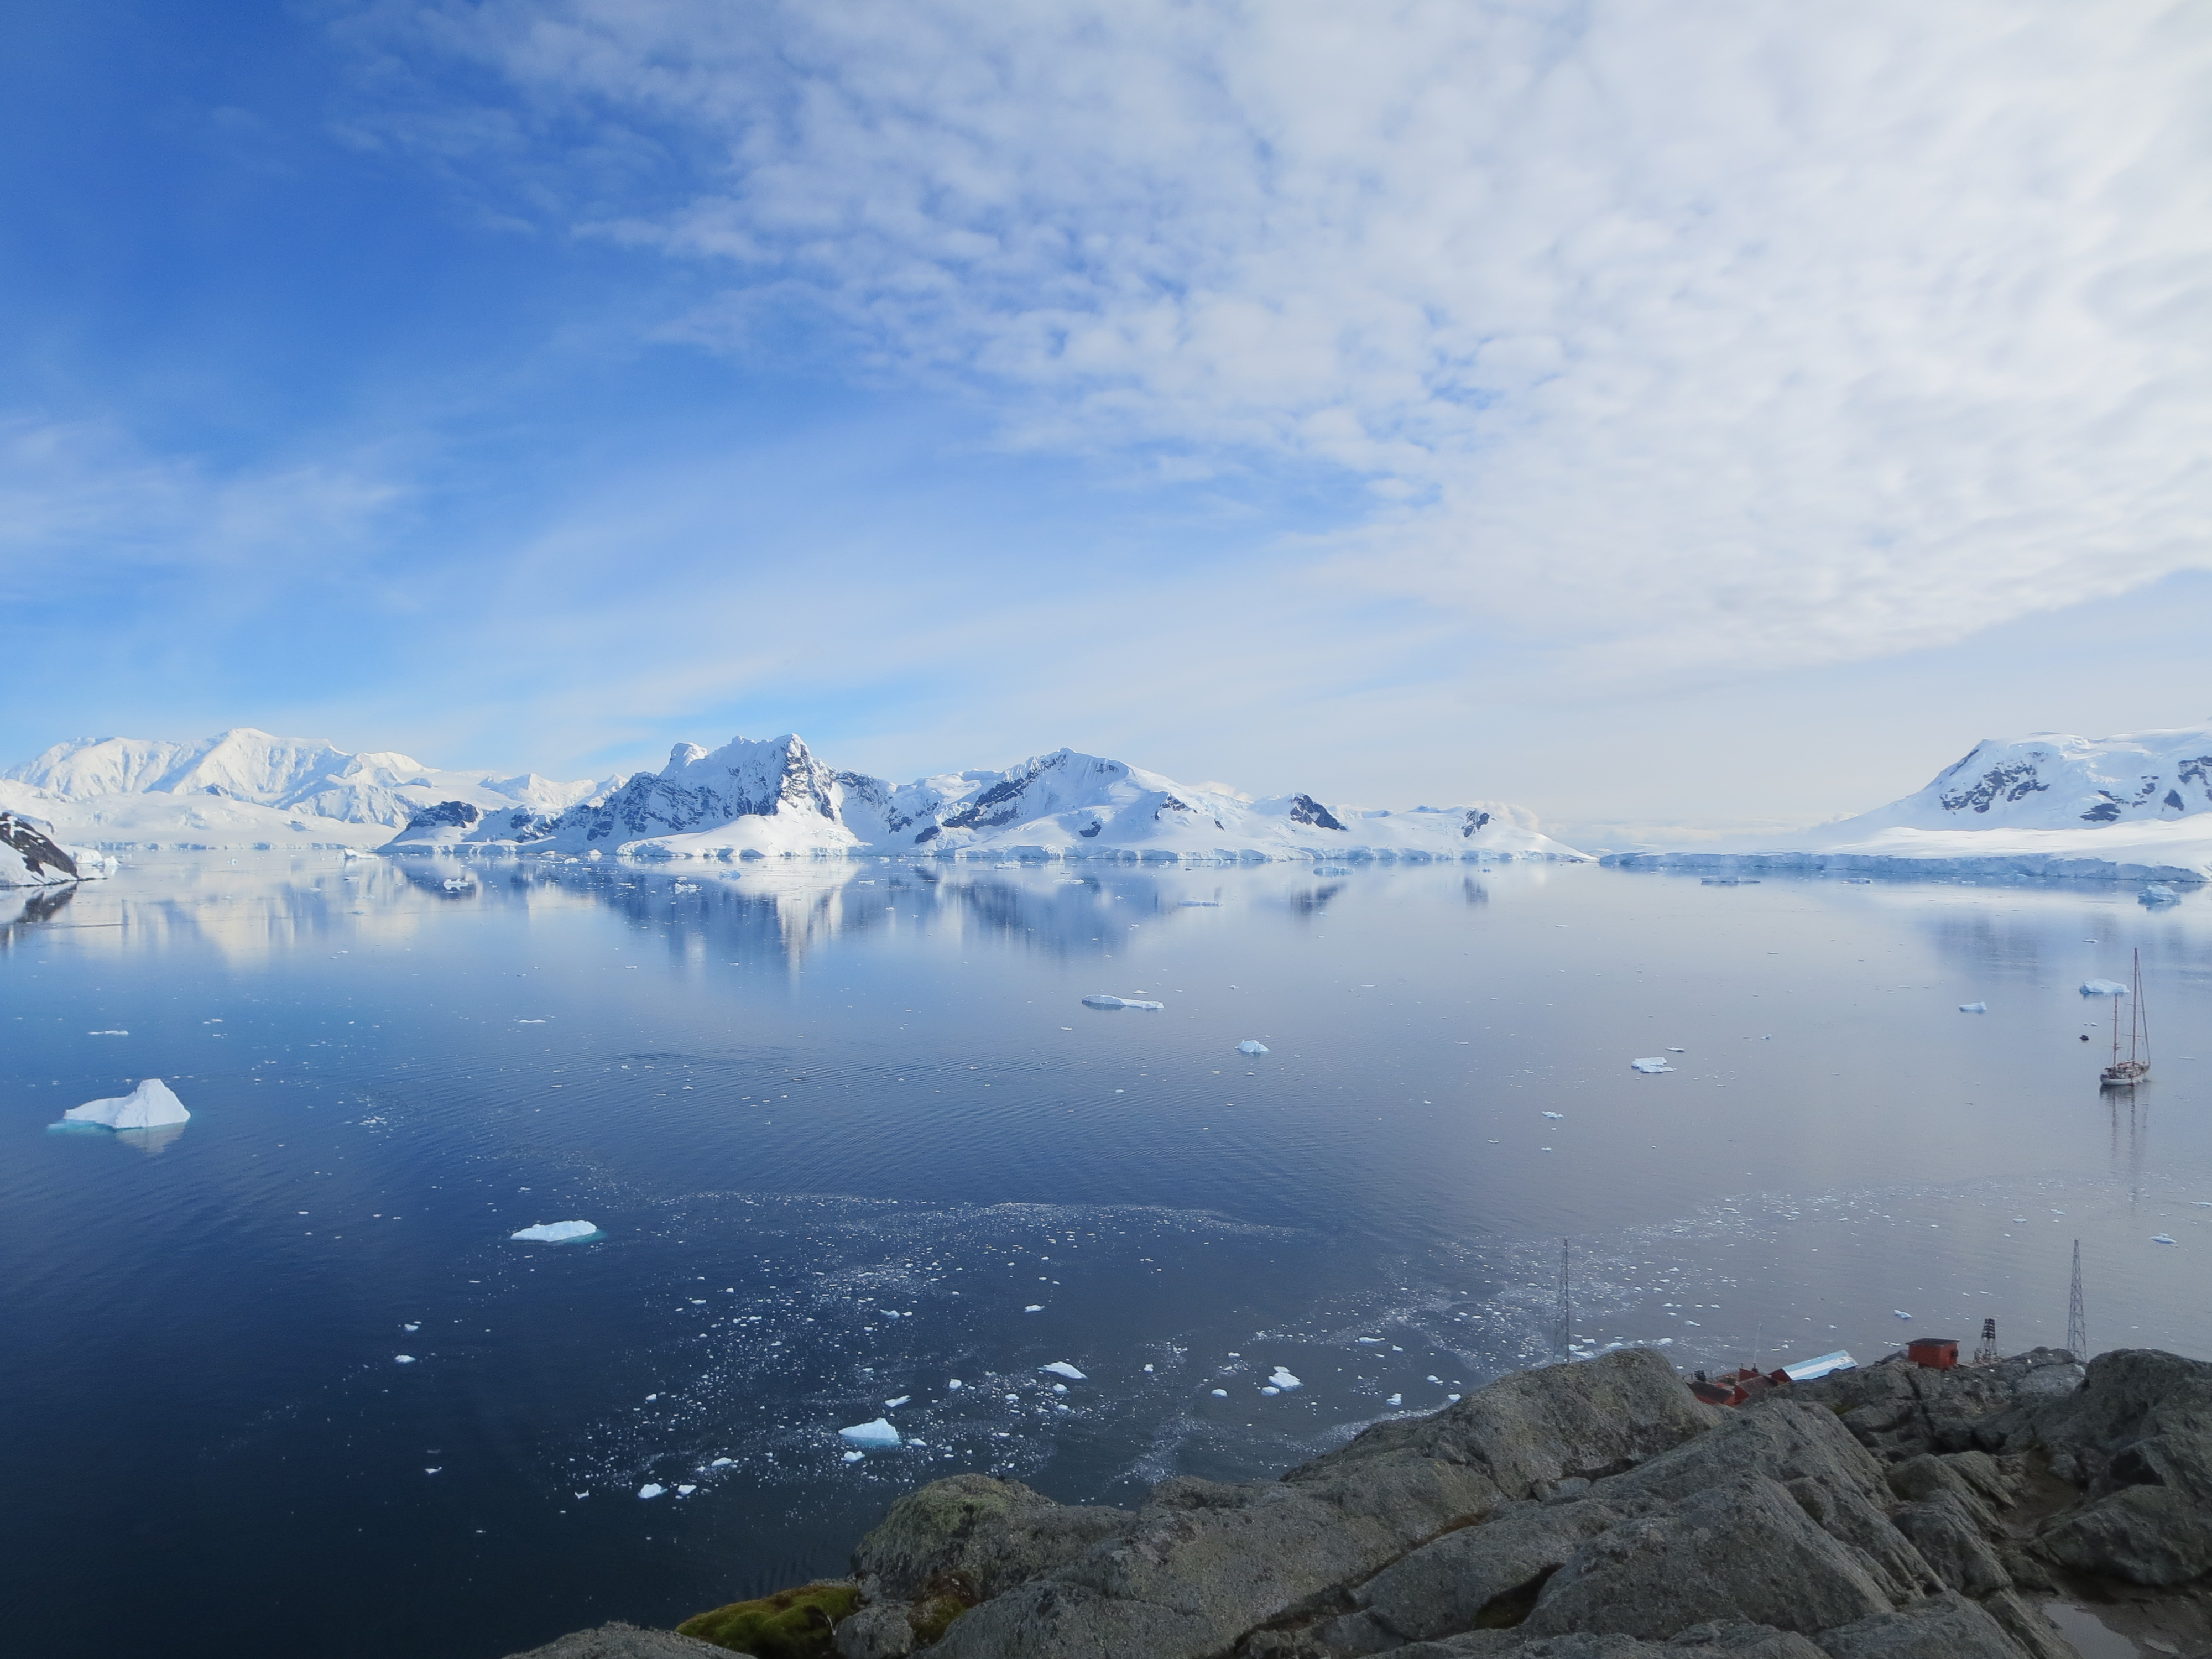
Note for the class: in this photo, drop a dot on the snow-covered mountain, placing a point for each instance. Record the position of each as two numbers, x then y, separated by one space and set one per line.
768 798
2127 807
246 785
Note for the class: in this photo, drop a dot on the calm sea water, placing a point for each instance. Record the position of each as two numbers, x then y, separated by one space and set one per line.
850 1133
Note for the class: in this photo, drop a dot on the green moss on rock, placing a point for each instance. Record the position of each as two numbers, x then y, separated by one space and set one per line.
792 1624
931 1618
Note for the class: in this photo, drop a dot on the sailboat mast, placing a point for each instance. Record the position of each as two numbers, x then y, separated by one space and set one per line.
2138 1022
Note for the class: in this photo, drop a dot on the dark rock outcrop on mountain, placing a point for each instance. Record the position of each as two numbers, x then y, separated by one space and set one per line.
1599 1510
41 855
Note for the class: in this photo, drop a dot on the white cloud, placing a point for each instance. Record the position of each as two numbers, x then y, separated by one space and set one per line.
1683 337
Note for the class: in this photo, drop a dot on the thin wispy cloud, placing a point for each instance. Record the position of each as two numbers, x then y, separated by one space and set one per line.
1710 335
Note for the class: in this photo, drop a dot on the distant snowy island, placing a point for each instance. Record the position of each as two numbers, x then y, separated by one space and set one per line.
2129 808
750 799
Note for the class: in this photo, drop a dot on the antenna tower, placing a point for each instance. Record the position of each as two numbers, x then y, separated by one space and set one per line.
1987 1353
1563 1330
2078 1324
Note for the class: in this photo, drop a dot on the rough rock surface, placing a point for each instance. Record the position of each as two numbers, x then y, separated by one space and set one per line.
622 1642
1597 1511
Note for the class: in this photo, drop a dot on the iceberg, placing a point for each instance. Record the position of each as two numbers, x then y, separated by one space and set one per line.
878 1433
1221 1393
2103 988
2158 893
1652 1064
1103 1001
1034 1306
2161 1238
1973 1007
558 1232
651 1489
1556 1116
1251 1045
148 1106
1061 1368
1282 1379
1395 1399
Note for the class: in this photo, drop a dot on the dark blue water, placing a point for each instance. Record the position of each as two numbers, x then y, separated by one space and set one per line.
842 1126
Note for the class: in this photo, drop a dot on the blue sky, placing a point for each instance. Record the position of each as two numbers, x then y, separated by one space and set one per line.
1710 412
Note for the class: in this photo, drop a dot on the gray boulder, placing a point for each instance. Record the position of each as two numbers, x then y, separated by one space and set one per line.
1743 1550
877 1630
1950 1540
988 1534
2150 1535
1783 1440
1480 1576
620 1641
1945 1627
1928 1476
1726 1639
1847 1516
2028 1625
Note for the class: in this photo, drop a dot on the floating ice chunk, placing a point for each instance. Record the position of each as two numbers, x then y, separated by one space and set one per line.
1973 1007
2158 893
1061 1368
417 1326
558 1232
721 1462
403 1359
1270 1390
2103 988
1060 1387
107 1033
1251 1045
651 1489
853 1457
1101 1000
1395 1399
685 1491
1860 881
1439 1381
1650 1063
878 1433
1283 1380
434 1471
1452 1398
1901 1313
1221 1393
1376 1341
893 1405
1148 1370
1034 1306
956 1385
1678 1051
148 1106
1556 1116
2160 1238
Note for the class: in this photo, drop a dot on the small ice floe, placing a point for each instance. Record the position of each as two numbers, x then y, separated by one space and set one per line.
434 1471
1652 1064
1973 1007
1439 1381
107 1033
1060 1387
1395 1399
651 1489
1901 1313
1101 1000
2161 1238
1251 1045
853 1457
2103 988
417 1326
1221 1393
529 1022
1376 1341
722 1464
1451 1399
1678 1051
1283 1380
1557 1117
1860 881
148 1106
558 1232
1061 1368
893 1405
685 1491
1148 1370
954 1385
2158 893
878 1433
1034 1306
1270 1390
403 1359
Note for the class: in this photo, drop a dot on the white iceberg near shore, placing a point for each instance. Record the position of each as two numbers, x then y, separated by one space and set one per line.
148 1106
558 1232
878 1433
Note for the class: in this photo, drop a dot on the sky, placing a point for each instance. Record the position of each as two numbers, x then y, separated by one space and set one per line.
1712 413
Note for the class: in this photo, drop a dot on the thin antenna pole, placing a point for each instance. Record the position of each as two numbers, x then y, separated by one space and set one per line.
2078 1324
1563 1332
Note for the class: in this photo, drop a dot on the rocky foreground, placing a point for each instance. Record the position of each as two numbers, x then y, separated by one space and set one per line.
1596 1511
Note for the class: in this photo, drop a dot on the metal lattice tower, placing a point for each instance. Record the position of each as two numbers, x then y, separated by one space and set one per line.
2077 1323
1987 1353
1563 1330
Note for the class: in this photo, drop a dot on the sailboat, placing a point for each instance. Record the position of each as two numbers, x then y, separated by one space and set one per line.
2126 1073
